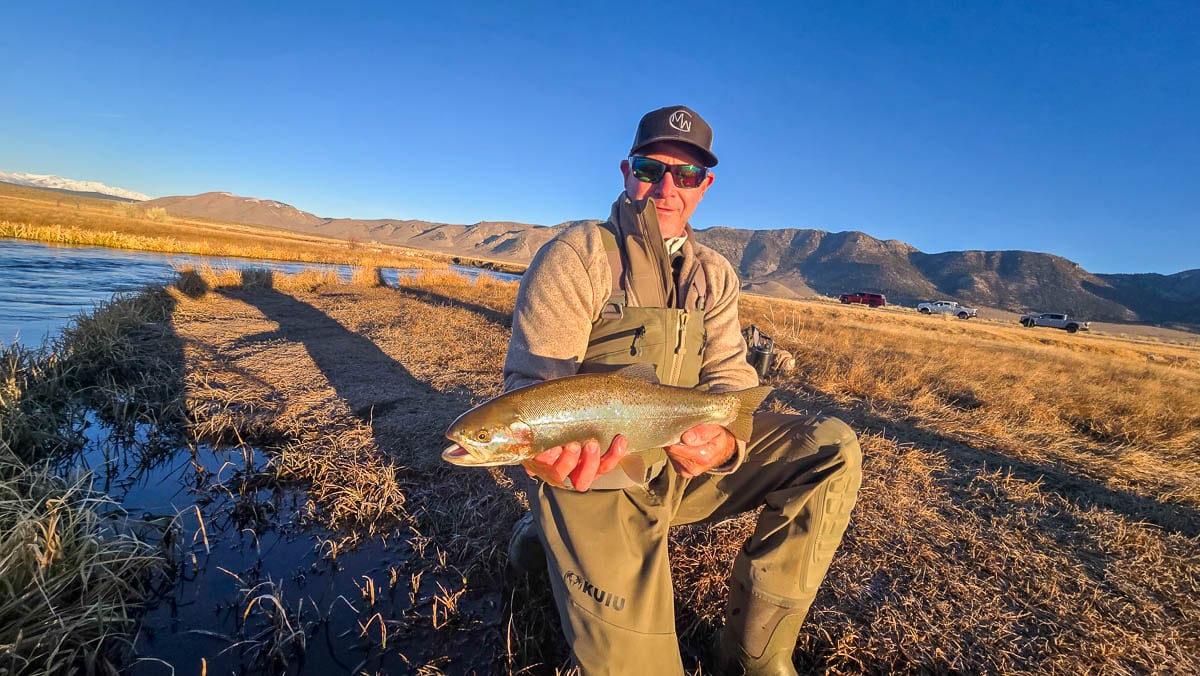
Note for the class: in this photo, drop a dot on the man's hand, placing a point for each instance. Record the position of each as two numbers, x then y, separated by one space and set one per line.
702 448
581 462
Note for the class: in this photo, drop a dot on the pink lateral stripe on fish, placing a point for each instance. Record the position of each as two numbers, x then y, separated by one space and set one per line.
514 427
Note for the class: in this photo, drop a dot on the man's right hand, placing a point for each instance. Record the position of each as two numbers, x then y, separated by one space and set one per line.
581 462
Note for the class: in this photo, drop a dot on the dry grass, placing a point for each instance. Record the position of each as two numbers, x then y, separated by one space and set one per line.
72 569
70 581
1003 526
27 213
1125 415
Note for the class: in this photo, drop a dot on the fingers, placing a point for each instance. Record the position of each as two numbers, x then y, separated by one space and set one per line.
614 455
589 462
567 461
549 456
581 462
700 434
685 468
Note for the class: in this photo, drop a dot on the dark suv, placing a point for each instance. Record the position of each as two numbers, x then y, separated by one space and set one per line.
871 299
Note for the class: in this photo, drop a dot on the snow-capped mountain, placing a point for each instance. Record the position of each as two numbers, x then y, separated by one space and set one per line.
60 183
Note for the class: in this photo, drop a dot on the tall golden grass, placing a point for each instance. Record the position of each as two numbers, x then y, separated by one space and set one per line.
1128 413
72 566
43 216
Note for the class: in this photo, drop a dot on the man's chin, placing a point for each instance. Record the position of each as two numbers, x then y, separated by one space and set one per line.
668 223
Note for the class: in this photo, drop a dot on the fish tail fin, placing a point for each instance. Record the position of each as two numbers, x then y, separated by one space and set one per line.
748 401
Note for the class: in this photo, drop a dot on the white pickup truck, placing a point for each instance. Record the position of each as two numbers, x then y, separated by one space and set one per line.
947 307
1055 320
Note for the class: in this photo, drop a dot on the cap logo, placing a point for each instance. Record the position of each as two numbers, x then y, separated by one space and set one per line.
681 120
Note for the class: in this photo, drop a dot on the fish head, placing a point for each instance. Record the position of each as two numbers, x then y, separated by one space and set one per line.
489 435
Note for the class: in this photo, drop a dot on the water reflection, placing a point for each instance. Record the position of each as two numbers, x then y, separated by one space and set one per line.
43 287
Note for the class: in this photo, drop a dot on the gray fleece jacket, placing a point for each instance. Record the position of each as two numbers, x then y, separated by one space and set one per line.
566 287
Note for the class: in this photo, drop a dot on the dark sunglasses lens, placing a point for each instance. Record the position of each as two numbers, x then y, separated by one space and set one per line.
689 175
648 170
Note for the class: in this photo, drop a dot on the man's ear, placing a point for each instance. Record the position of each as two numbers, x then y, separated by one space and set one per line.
625 168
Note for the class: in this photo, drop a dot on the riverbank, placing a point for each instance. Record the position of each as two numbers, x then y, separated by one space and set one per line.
57 218
1003 525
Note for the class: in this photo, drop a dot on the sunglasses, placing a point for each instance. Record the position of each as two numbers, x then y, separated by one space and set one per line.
647 170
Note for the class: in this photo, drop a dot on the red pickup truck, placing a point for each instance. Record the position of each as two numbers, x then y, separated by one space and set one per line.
870 299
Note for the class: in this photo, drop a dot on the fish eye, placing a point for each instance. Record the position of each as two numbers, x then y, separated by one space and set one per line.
482 435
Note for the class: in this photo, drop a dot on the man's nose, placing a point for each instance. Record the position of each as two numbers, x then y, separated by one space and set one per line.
665 186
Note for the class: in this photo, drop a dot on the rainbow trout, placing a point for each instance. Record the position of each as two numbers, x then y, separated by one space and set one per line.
514 427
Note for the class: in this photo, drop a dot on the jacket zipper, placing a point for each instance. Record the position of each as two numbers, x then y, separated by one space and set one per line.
680 349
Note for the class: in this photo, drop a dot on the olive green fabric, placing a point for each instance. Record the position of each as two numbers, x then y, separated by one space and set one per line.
672 339
607 550
569 282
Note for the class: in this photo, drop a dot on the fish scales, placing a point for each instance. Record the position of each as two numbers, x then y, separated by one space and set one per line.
566 410
514 427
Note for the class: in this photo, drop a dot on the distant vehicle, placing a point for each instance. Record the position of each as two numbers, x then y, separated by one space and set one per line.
1055 320
947 307
871 299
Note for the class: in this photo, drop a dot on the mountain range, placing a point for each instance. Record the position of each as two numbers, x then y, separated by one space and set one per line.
789 263
87 188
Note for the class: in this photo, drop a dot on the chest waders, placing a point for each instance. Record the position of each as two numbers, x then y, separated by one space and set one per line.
607 550
672 339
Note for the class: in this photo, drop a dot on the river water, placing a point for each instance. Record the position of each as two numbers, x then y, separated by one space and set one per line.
238 540
43 287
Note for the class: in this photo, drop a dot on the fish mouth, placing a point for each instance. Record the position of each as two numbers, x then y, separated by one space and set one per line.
461 455
457 454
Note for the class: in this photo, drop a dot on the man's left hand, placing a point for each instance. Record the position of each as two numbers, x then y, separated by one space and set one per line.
702 448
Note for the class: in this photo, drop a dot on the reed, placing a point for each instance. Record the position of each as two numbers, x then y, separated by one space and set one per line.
72 564
70 580
54 218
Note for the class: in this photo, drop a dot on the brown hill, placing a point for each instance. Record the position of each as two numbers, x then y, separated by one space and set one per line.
224 206
790 262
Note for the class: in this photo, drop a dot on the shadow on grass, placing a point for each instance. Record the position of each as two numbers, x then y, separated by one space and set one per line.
969 460
407 416
494 316
468 512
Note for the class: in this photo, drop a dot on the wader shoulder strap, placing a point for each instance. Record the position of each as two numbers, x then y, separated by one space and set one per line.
615 305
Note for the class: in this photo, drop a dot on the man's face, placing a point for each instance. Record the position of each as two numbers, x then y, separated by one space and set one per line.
674 205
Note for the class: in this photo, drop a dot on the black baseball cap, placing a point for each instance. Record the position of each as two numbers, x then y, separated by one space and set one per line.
675 123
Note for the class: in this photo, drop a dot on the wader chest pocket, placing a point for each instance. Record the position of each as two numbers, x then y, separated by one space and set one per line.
629 342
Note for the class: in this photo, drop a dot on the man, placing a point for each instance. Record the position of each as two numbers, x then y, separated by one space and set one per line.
640 288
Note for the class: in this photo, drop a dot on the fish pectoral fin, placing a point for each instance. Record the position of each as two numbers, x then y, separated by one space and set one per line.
634 466
540 472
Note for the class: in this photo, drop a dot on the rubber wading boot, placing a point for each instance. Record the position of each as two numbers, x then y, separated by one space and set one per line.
759 636
525 551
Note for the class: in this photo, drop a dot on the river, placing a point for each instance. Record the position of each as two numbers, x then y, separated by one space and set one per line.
43 287
240 541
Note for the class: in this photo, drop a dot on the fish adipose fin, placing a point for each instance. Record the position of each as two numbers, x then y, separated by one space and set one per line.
646 372
748 401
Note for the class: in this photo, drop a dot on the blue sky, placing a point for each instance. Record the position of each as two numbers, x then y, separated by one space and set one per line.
1069 128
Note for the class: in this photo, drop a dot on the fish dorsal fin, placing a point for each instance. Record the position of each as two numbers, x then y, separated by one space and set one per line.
645 372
